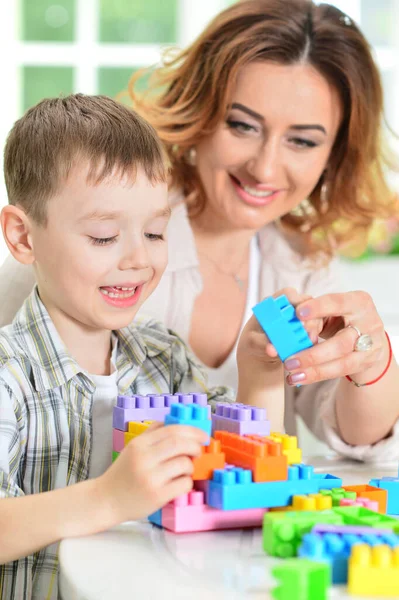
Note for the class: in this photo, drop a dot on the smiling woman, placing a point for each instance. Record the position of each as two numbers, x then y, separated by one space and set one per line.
272 124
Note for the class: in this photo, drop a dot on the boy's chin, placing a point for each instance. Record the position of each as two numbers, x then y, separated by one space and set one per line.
119 321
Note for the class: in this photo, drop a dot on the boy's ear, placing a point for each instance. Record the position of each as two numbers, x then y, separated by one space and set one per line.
17 234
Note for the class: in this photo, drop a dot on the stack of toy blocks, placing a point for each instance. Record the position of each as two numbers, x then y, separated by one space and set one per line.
374 571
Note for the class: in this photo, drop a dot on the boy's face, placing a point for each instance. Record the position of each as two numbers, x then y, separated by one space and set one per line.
103 250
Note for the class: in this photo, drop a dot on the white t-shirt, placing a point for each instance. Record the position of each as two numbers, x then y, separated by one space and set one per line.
227 373
104 400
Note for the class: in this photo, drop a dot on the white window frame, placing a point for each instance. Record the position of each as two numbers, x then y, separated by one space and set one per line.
86 54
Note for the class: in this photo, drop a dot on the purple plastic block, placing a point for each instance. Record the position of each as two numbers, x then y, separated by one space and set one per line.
153 407
240 418
348 529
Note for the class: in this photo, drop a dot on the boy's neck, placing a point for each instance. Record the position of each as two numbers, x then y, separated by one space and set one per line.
91 348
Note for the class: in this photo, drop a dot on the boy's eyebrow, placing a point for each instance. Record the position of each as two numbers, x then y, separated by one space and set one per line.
97 215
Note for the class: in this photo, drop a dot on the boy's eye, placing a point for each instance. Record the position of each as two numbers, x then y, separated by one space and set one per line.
103 241
240 126
154 237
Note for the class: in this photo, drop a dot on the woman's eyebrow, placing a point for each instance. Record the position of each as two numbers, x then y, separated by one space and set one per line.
259 117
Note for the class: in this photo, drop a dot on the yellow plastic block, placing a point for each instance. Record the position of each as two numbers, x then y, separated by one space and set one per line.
311 502
135 428
374 571
290 447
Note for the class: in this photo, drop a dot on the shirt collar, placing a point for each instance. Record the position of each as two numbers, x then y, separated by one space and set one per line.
53 366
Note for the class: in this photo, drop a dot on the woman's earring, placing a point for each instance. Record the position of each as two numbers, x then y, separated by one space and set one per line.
305 210
324 193
192 157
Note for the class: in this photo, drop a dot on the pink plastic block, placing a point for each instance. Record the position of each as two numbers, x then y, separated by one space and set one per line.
240 418
371 504
118 440
189 513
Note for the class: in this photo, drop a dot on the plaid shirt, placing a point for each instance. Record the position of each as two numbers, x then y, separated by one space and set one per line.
46 410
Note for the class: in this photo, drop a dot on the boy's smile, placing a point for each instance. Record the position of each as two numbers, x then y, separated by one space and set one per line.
102 251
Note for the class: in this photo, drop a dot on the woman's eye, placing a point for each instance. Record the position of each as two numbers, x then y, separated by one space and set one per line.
240 126
103 241
154 237
302 143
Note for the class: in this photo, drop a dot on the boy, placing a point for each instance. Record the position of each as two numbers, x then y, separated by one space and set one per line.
86 181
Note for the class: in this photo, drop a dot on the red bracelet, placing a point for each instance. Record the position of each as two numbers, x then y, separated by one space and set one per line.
382 374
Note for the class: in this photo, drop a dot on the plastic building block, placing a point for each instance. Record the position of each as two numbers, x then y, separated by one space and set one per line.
283 532
373 535
118 440
264 458
240 418
233 489
370 504
156 518
211 458
290 447
358 515
151 407
337 494
391 485
301 579
190 414
312 502
335 548
190 513
135 429
374 571
278 320
372 493
114 456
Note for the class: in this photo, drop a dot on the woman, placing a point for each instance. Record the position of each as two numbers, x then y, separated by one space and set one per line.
272 123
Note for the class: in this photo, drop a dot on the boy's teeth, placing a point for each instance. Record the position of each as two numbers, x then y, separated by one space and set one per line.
124 292
257 193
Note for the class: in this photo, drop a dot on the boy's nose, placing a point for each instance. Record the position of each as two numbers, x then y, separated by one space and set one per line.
135 257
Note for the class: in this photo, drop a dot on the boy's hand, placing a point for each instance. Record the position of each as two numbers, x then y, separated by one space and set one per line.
152 470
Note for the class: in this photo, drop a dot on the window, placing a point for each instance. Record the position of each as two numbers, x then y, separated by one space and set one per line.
53 47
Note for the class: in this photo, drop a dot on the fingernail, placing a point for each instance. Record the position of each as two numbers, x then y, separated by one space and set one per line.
304 312
296 378
292 364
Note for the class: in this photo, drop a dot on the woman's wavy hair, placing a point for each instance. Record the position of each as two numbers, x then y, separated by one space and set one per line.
188 96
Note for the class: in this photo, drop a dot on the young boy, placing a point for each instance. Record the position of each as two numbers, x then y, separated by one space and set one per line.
86 180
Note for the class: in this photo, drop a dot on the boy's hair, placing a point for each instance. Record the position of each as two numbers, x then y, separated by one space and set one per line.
46 143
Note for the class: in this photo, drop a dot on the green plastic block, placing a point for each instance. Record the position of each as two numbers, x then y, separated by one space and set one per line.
358 515
115 455
302 579
337 494
283 532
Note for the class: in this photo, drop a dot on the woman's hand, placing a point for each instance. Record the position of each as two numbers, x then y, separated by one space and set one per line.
336 357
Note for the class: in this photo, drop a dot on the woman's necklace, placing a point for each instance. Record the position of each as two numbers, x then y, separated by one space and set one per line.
239 281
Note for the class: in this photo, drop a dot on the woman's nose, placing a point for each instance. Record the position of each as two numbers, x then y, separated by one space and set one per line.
265 165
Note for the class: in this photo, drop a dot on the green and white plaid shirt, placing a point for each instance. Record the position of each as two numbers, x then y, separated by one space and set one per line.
46 403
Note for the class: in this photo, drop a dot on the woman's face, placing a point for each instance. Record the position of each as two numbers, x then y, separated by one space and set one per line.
272 148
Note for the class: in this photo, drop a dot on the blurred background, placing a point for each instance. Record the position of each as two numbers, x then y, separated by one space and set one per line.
53 47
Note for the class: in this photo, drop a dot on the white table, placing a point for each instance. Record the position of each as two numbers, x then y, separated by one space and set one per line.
138 560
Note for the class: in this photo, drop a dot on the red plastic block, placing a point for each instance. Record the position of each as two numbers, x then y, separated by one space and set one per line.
372 493
211 458
262 456
190 513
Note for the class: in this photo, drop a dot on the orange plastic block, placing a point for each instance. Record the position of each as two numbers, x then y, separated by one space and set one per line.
263 457
372 493
135 428
211 458
290 447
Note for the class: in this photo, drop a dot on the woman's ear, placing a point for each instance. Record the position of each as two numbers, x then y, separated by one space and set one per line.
17 233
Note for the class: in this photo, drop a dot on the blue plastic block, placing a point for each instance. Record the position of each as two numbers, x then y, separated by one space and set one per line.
156 518
391 485
190 414
335 548
278 320
233 488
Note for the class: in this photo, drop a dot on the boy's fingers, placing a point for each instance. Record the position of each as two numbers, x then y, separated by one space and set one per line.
176 446
177 466
182 432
